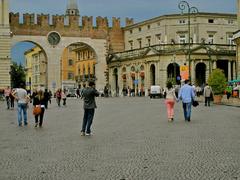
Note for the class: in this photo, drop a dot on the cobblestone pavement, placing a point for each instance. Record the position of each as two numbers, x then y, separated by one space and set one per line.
132 140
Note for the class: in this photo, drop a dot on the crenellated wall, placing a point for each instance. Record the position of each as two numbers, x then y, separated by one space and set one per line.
72 28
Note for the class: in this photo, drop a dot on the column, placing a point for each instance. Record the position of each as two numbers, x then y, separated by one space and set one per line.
5 45
120 81
234 70
214 64
193 71
229 70
146 79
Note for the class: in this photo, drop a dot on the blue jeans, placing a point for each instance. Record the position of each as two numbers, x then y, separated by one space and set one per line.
87 120
22 107
8 101
187 110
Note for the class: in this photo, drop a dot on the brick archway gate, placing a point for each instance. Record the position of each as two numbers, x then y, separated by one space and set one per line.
54 55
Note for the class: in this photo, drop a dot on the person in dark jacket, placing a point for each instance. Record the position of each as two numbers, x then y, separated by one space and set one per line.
46 98
39 100
89 106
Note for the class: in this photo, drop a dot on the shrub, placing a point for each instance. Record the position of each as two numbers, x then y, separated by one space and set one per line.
217 81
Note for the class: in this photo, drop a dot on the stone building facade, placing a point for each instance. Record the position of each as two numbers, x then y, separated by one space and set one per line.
237 40
5 45
64 31
157 50
36 69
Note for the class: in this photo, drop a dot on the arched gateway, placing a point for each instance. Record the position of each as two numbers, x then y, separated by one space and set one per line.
64 31
54 54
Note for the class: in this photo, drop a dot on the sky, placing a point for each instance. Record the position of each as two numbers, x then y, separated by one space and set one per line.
139 10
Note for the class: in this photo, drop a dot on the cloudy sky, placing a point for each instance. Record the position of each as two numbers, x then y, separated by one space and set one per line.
139 10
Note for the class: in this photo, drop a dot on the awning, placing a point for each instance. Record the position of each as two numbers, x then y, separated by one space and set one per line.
234 81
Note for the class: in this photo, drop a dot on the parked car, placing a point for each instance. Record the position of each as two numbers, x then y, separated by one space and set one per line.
155 91
71 93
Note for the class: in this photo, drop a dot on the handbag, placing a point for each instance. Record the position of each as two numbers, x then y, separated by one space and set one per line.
195 103
37 110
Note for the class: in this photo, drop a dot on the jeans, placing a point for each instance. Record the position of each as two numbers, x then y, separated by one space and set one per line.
87 120
41 117
207 101
8 101
187 110
22 107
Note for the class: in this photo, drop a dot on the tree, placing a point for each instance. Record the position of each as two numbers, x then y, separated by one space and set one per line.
217 81
18 76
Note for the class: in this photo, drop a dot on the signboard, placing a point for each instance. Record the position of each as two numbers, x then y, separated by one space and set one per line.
184 72
136 81
53 84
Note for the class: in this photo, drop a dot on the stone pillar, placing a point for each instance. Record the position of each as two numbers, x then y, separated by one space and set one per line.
146 79
194 38
214 64
112 81
5 45
120 81
193 71
234 70
229 70
54 56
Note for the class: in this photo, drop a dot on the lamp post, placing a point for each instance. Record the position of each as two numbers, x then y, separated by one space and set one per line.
183 5
174 68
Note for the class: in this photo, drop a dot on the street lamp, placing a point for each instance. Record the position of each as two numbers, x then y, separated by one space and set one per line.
190 10
174 68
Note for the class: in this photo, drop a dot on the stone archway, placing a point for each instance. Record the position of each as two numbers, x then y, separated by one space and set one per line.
35 62
78 63
173 72
200 74
54 54
152 74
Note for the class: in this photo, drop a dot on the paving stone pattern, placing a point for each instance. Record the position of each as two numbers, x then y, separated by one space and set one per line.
132 140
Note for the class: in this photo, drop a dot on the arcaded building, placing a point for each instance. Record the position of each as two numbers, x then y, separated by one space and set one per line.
162 48
237 40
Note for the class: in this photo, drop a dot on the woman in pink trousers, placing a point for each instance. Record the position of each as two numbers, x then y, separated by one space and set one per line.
170 101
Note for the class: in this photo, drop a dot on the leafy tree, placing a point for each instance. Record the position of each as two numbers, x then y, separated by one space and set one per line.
217 81
18 76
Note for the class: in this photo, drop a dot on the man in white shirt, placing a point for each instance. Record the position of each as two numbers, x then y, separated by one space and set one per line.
22 100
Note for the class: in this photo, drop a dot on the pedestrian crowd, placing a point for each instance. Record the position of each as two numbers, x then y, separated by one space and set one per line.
40 99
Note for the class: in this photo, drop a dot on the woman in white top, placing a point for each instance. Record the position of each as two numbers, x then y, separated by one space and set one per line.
64 97
170 101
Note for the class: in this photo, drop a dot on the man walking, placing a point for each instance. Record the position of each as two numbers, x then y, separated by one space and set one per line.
22 100
186 94
207 92
89 106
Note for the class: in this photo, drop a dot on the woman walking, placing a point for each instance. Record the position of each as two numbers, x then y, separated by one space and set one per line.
64 97
59 96
39 100
170 101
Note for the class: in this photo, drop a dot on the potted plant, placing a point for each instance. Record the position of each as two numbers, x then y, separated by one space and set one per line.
217 81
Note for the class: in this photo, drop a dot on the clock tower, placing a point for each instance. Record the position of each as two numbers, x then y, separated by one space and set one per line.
5 45
72 8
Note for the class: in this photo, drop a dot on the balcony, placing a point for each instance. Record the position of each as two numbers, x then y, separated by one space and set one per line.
84 78
165 49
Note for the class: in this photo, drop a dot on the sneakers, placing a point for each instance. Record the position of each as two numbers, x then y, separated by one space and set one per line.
36 125
170 119
85 134
82 133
